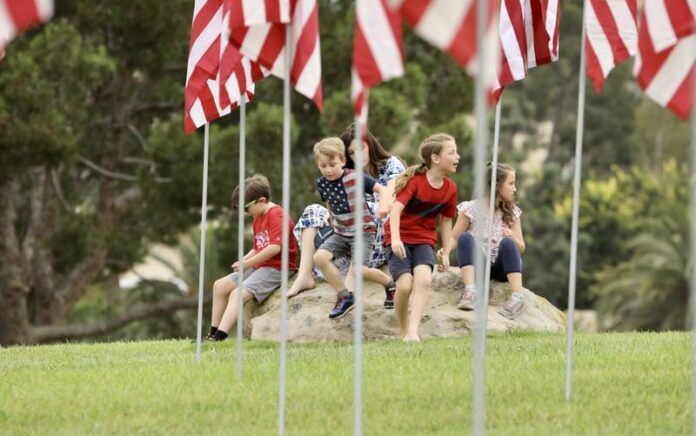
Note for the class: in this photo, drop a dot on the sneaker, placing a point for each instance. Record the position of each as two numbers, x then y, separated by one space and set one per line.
344 304
513 307
390 290
468 300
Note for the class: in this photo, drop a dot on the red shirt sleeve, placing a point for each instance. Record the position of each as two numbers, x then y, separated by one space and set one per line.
450 209
275 226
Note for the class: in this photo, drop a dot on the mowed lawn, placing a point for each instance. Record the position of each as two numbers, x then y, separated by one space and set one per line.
635 383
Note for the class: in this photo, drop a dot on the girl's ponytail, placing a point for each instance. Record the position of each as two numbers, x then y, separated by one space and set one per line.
407 175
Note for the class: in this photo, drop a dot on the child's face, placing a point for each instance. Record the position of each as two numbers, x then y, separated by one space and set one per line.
507 188
366 154
256 207
331 167
448 159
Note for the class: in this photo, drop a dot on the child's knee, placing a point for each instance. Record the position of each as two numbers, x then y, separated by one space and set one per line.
508 244
222 287
322 257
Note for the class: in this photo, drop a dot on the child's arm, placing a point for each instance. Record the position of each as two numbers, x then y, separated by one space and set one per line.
461 226
384 200
250 253
395 222
262 256
447 241
516 234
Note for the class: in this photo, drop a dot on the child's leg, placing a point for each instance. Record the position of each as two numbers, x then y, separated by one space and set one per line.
229 318
222 288
322 259
305 279
509 255
404 285
422 281
465 256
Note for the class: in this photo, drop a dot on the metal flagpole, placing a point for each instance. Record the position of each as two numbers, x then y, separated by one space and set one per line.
358 297
240 232
479 420
286 233
201 266
491 201
576 210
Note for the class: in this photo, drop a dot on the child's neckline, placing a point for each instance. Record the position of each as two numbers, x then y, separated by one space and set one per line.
428 177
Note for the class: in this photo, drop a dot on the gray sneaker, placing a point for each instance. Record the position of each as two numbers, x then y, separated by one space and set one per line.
468 300
513 307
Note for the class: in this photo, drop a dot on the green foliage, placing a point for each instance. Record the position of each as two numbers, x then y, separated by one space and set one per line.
158 387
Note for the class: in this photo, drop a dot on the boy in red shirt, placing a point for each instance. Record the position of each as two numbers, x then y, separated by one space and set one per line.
262 264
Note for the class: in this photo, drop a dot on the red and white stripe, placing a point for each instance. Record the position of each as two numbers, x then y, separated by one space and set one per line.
611 36
664 65
202 91
450 25
19 15
259 34
529 35
377 50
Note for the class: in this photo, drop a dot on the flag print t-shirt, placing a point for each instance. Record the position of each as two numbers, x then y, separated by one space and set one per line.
422 205
340 194
268 230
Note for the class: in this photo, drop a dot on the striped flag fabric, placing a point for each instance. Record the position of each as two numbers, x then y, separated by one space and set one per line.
19 15
450 25
257 29
202 91
611 36
377 50
529 35
664 65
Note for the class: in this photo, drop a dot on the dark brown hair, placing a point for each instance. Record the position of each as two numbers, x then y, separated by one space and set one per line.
507 207
255 187
378 155
431 145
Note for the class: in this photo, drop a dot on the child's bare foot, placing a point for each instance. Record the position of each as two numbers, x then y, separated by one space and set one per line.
411 337
301 284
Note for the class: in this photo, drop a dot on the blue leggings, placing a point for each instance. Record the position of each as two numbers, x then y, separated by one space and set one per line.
507 261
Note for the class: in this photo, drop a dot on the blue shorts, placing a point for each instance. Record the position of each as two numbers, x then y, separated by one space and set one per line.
422 254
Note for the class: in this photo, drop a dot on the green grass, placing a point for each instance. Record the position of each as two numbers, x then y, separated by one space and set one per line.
637 383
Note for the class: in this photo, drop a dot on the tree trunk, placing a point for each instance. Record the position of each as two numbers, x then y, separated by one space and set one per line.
14 321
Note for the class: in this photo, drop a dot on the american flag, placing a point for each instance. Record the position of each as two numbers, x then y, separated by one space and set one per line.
377 50
19 15
664 66
450 25
257 29
340 195
611 36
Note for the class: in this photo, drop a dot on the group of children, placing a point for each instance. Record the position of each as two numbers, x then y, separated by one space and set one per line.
402 208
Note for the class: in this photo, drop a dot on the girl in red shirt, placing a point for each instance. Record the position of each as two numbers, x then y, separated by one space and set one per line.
423 193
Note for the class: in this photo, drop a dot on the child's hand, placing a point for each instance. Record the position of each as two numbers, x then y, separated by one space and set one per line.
325 221
508 233
398 249
444 261
235 266
382 211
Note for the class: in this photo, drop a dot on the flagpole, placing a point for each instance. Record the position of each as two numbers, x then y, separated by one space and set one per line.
479 403
201 265
491 200
240 233
357 266
576 211
285 234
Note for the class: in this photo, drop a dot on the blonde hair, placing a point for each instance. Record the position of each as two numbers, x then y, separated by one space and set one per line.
330 147
431 145
506 207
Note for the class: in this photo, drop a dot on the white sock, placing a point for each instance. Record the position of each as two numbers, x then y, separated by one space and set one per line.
519 296
470 287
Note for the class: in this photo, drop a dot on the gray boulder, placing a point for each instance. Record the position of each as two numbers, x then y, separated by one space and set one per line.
308 314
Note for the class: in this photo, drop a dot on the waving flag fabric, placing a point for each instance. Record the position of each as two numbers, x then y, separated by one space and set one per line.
257 29
611 36
19 15
450 25
377 50
664 65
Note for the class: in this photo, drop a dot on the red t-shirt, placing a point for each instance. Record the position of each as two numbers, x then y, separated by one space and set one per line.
422 205
268 230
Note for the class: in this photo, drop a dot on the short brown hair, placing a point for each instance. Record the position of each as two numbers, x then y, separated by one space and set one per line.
255 187
330 147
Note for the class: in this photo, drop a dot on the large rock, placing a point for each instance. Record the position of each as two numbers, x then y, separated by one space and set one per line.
308 314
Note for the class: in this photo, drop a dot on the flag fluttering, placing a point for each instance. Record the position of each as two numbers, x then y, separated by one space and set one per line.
529 36
664 65
17 16
450 25
611 36
377 50
257 30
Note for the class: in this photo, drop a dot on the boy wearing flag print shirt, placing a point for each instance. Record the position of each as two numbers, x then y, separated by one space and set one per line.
262 264
337 188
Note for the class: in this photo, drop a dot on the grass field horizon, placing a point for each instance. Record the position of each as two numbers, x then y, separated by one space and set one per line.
623 383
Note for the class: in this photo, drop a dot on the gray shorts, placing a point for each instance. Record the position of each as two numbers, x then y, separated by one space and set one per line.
261 282
344 246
